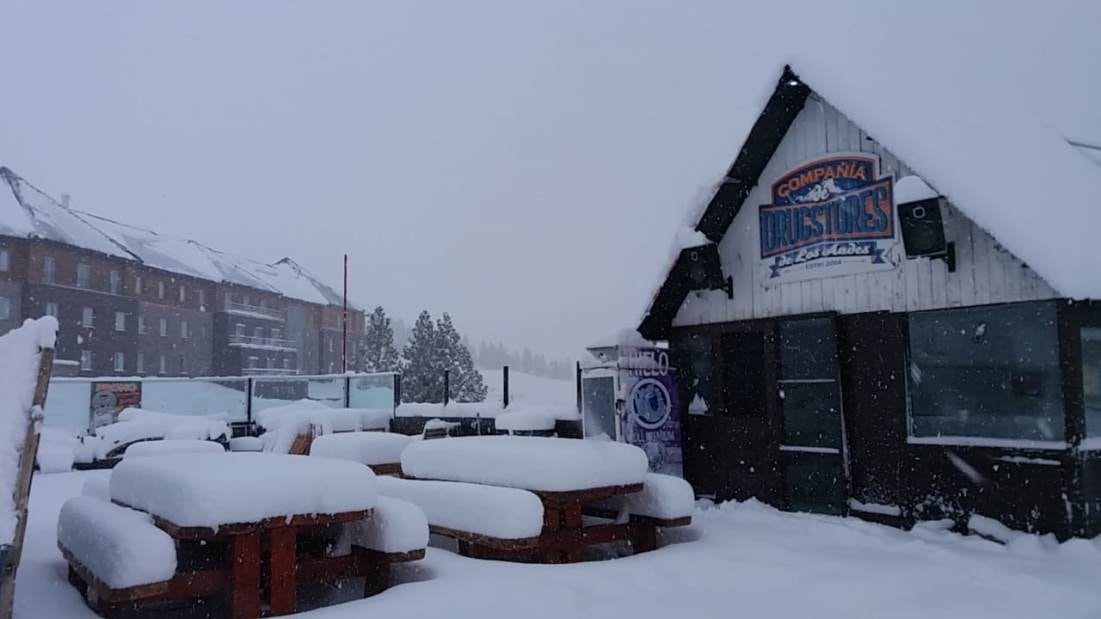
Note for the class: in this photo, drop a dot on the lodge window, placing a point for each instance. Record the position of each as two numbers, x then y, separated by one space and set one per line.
120 362
120 321
183 329
86 360
183 294
160 290
742 375
258 333
5 260
51 309
49 270
1091 379
140 362
5 308
163 367
693 358
164 327
138 285
183 364
88 317
990 372
116 282
141 324
83 276
202 300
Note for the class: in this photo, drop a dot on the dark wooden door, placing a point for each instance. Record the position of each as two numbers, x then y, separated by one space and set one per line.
812 447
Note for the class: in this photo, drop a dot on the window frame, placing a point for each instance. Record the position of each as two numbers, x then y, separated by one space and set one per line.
5 260
1059 344
49 270
120 322
88 317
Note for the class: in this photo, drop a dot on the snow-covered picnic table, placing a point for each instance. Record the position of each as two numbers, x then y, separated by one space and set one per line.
565 474
241 498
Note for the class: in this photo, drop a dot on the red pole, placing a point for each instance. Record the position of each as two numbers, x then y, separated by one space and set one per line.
344 351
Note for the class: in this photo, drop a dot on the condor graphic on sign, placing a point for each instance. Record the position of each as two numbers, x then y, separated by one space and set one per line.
829 217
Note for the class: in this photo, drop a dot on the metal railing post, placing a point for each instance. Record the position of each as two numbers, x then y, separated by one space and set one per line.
504 374
446 387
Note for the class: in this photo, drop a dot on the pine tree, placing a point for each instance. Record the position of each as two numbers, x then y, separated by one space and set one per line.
465 381
379 353
422 372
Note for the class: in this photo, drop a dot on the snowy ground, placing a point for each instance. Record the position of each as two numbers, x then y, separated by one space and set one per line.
740 560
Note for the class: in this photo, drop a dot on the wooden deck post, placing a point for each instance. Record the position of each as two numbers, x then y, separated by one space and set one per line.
282 577
378 576
574 552
644 537
244 570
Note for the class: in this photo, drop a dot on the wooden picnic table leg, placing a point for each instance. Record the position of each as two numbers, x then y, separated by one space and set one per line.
282 567
244 570
644 537
572 521
552 522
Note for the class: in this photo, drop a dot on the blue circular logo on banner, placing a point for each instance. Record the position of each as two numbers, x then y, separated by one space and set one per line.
651 403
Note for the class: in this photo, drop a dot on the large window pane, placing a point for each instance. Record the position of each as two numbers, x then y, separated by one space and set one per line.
691 357
989 372
598 405
1091 378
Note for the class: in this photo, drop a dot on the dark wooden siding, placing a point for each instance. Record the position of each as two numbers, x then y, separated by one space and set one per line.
872 353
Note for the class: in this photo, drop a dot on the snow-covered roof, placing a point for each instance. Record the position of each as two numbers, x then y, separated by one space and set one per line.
30 213
1005 167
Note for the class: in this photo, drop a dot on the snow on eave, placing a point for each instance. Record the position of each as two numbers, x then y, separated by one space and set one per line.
1007 170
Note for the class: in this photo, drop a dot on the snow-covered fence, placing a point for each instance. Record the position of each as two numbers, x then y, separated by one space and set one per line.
239 399
26 358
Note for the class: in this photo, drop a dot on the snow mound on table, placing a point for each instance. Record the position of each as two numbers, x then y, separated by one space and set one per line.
121 546
246 443
505 513
663 496
281 425
394 526
485 410
531 463
524 421
363 447
210 490
97 484
200 428
135 424
57 451
19 355
171 446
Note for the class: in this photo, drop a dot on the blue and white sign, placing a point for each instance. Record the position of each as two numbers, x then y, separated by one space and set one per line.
652 417
828 217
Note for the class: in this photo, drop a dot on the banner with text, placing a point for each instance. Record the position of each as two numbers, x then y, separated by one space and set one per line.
828 217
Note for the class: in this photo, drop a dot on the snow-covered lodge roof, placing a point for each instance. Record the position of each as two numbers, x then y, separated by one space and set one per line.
1005 168
28 212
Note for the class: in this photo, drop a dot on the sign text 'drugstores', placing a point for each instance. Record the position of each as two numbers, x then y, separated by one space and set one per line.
828 217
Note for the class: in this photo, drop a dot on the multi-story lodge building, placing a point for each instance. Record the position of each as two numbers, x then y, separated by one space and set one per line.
134 302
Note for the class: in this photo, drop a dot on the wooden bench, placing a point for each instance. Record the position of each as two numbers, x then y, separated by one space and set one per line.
490 522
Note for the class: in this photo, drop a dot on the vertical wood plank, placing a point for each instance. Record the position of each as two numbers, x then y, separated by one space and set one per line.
282 566
572 521
244 570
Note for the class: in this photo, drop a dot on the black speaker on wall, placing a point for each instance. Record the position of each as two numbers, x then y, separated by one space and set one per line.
922 228
923 231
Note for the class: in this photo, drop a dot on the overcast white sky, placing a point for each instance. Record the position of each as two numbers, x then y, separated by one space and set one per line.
522 165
